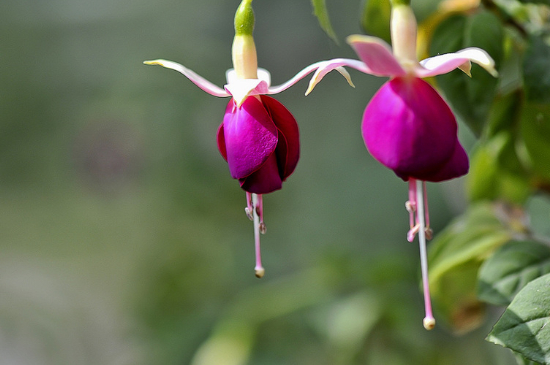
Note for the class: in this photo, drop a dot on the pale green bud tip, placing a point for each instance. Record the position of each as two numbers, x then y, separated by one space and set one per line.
400 2
244 18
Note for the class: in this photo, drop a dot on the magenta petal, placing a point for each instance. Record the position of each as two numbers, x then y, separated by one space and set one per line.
409 128
250 137
456 166
221 142
288 148
265 180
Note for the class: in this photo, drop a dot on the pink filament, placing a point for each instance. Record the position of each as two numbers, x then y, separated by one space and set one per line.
248 209
412 208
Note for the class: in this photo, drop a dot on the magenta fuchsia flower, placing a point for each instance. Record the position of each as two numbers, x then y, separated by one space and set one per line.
260 142
407 126
258 136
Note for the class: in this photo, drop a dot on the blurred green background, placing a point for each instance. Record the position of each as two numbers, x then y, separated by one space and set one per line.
123 239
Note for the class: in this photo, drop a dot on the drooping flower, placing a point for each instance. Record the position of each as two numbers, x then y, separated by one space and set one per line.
258 136
407 126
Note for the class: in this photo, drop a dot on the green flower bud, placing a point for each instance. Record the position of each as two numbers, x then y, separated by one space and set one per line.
400 2
244 18
245 61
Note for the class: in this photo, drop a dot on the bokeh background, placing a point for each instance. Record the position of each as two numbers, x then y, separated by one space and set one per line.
123 239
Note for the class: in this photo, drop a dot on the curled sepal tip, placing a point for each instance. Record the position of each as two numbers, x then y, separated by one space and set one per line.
323 68
462 59
480 57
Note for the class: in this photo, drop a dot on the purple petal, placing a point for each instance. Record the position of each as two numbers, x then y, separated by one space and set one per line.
264 180
409 128
377 56
288 148
249 137
456 166
221 141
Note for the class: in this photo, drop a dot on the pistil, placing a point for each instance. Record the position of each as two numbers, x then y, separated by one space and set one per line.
254 211
419 223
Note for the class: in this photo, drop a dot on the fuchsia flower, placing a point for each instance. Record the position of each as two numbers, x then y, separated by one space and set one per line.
258 136
260 142
407 126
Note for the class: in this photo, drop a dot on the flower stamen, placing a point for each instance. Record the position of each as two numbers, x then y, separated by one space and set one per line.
428 230
260 211
411 206
248 208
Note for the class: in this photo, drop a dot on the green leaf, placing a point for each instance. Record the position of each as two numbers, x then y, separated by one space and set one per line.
470 236
454 258
536 73
470 98
535 130
449 35
483 175
538 210
320 11
504 113
510 268
523 327
495 172
484 30
545 2
375 19
523 361
232 339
